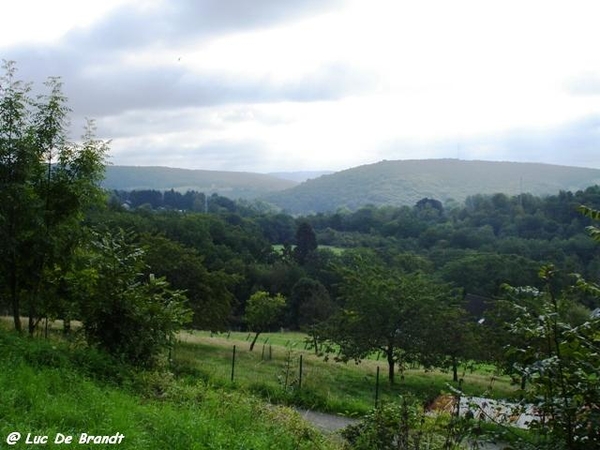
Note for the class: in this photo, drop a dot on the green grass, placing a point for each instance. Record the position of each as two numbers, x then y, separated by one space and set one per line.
272 371
49 387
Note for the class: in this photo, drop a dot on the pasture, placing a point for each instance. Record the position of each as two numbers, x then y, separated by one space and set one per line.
273 372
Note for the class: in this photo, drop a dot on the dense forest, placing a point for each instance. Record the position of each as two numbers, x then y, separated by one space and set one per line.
477 246
405 182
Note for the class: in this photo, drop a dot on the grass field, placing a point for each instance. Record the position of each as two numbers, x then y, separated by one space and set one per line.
49 387
272 371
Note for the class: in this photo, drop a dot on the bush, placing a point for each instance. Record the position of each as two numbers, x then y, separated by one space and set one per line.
132 318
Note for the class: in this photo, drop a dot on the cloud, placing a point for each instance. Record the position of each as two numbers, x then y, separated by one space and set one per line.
584 84
573 144
100 79
325 83
171 23
231 155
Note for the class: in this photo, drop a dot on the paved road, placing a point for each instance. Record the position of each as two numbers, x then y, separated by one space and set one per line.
326 422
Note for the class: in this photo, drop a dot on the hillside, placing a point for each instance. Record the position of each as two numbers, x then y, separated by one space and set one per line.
66 394
300 176
230 184
406 182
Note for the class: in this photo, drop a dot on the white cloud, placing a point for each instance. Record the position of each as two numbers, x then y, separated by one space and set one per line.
322 85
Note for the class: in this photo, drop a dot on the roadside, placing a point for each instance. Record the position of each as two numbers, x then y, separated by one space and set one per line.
332 424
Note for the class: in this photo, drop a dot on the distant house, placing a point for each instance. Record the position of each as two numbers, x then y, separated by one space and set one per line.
596 313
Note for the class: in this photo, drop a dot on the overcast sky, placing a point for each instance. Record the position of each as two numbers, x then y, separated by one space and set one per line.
274 85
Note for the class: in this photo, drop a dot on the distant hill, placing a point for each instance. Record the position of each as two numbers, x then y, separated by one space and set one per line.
230 184
301 176
406 182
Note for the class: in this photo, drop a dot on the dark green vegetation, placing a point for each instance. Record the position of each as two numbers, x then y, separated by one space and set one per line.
53 263
385 183
431 285
230 184
406 182
47 185
558 354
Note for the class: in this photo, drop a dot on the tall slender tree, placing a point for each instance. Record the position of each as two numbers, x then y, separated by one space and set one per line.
16 164
306 242
46 184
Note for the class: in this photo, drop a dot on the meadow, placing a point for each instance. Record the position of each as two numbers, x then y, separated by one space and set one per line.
272 371
51 389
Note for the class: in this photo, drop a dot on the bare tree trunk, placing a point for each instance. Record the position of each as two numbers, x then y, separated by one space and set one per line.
15 299
391 363
254 341
66 326
454 369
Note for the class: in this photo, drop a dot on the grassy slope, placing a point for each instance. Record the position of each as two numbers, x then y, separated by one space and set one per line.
327 386
406 182
48 388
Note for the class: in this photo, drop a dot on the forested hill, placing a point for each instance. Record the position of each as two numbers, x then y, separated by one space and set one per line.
229 184
406 182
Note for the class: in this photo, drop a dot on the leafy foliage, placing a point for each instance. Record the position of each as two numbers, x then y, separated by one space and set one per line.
407 182
47 184
208 292
309 304
130 316
561 362
306 242
383 310
262 312
404 425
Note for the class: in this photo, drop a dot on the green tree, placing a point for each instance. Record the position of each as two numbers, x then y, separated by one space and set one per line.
263 311
208 292
484 273
306 242
309 304
17 164
450 335
46 184
561 362
130 315
557 350
385 310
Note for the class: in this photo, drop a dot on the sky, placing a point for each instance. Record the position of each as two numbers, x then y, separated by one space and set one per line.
277 85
